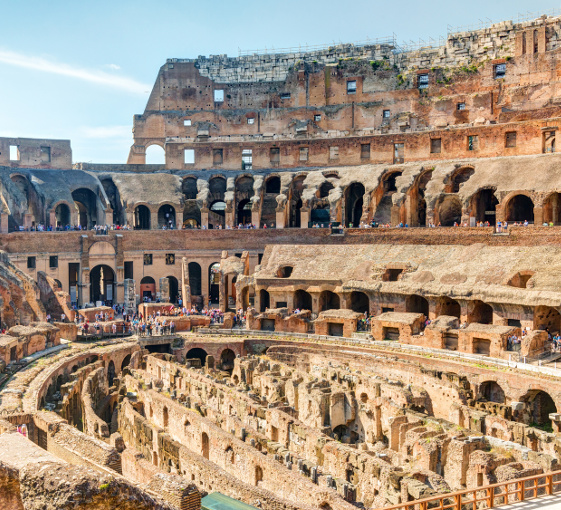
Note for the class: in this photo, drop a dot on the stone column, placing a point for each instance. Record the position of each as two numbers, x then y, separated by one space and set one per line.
256 216
27 220
4 223
129 296
305 215
229 215
164 289
185 284
52 218
281 217
130 218
178 220
538 216
204 217
154 220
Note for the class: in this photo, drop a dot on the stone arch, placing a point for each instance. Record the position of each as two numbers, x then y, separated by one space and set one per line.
483 206
418 202
519 207
173 289
547 318
329 301
539 405
227 357
111 373
101 248
243 193
302 300
115 201
148 287
62 215
142 217
86 203
360 302
273 184
382 202
214 282
459 177
449 306
481 312
166 216
258 475
354 200
189 188
102 284
195 278
295 201
217 214
324 189
449 210
264 300
155 153
197 353
492 392
126 362
205 446
417 304
552 208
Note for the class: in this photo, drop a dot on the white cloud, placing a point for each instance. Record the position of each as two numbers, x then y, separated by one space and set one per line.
107 132
115 67
90 75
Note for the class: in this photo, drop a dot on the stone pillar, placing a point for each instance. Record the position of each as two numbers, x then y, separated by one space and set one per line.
178 220
130 218
538 216
281 216
108 216
52 218
164 289
154 220
204 217
305 216
185 284
229 214
256 216
84 287
27 220
129 296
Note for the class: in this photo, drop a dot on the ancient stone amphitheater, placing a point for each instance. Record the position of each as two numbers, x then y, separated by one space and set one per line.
340 288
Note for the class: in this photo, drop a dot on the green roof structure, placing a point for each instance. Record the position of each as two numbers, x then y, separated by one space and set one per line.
218 501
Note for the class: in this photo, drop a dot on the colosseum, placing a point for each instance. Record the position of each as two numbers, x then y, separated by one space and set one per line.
341 289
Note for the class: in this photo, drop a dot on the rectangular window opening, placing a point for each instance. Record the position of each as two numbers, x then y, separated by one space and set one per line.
14 153
365 151
219 96
460 106
170 259
274 154
247 159
187 122
285 95
435 145
45 154
333 152
500 71
549 141
129 274
510 139
351 87
317 117
304 152
251 120
473 143
398 152
189 155
53 261
386 114
31 262
217 156
423 81
147 259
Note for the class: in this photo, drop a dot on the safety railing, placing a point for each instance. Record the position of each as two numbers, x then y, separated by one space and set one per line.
490 496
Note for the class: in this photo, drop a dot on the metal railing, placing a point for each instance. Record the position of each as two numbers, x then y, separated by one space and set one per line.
490 496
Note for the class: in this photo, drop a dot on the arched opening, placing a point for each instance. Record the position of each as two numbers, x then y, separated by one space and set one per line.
273 185
551 209
450 211
148 288
217 214
244 192
62 215
354 197
492 392
481 313
258 475
450 307
195 279
329 301
155 155
86 203
324 189
114 198
102 285
295 202
111 373
540 405
284 271
547 318
227 358
244 212
483 206
345 434
166 216
264 300
189 188
360 302
458 178
230 457
197 353
214 283
166 417
173 289
191 210
520 208
126 362
385 191
141 218
417 304
302 300
205 445
423 180
320 214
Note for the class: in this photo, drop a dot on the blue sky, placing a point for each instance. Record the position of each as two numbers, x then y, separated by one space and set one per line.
82 69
